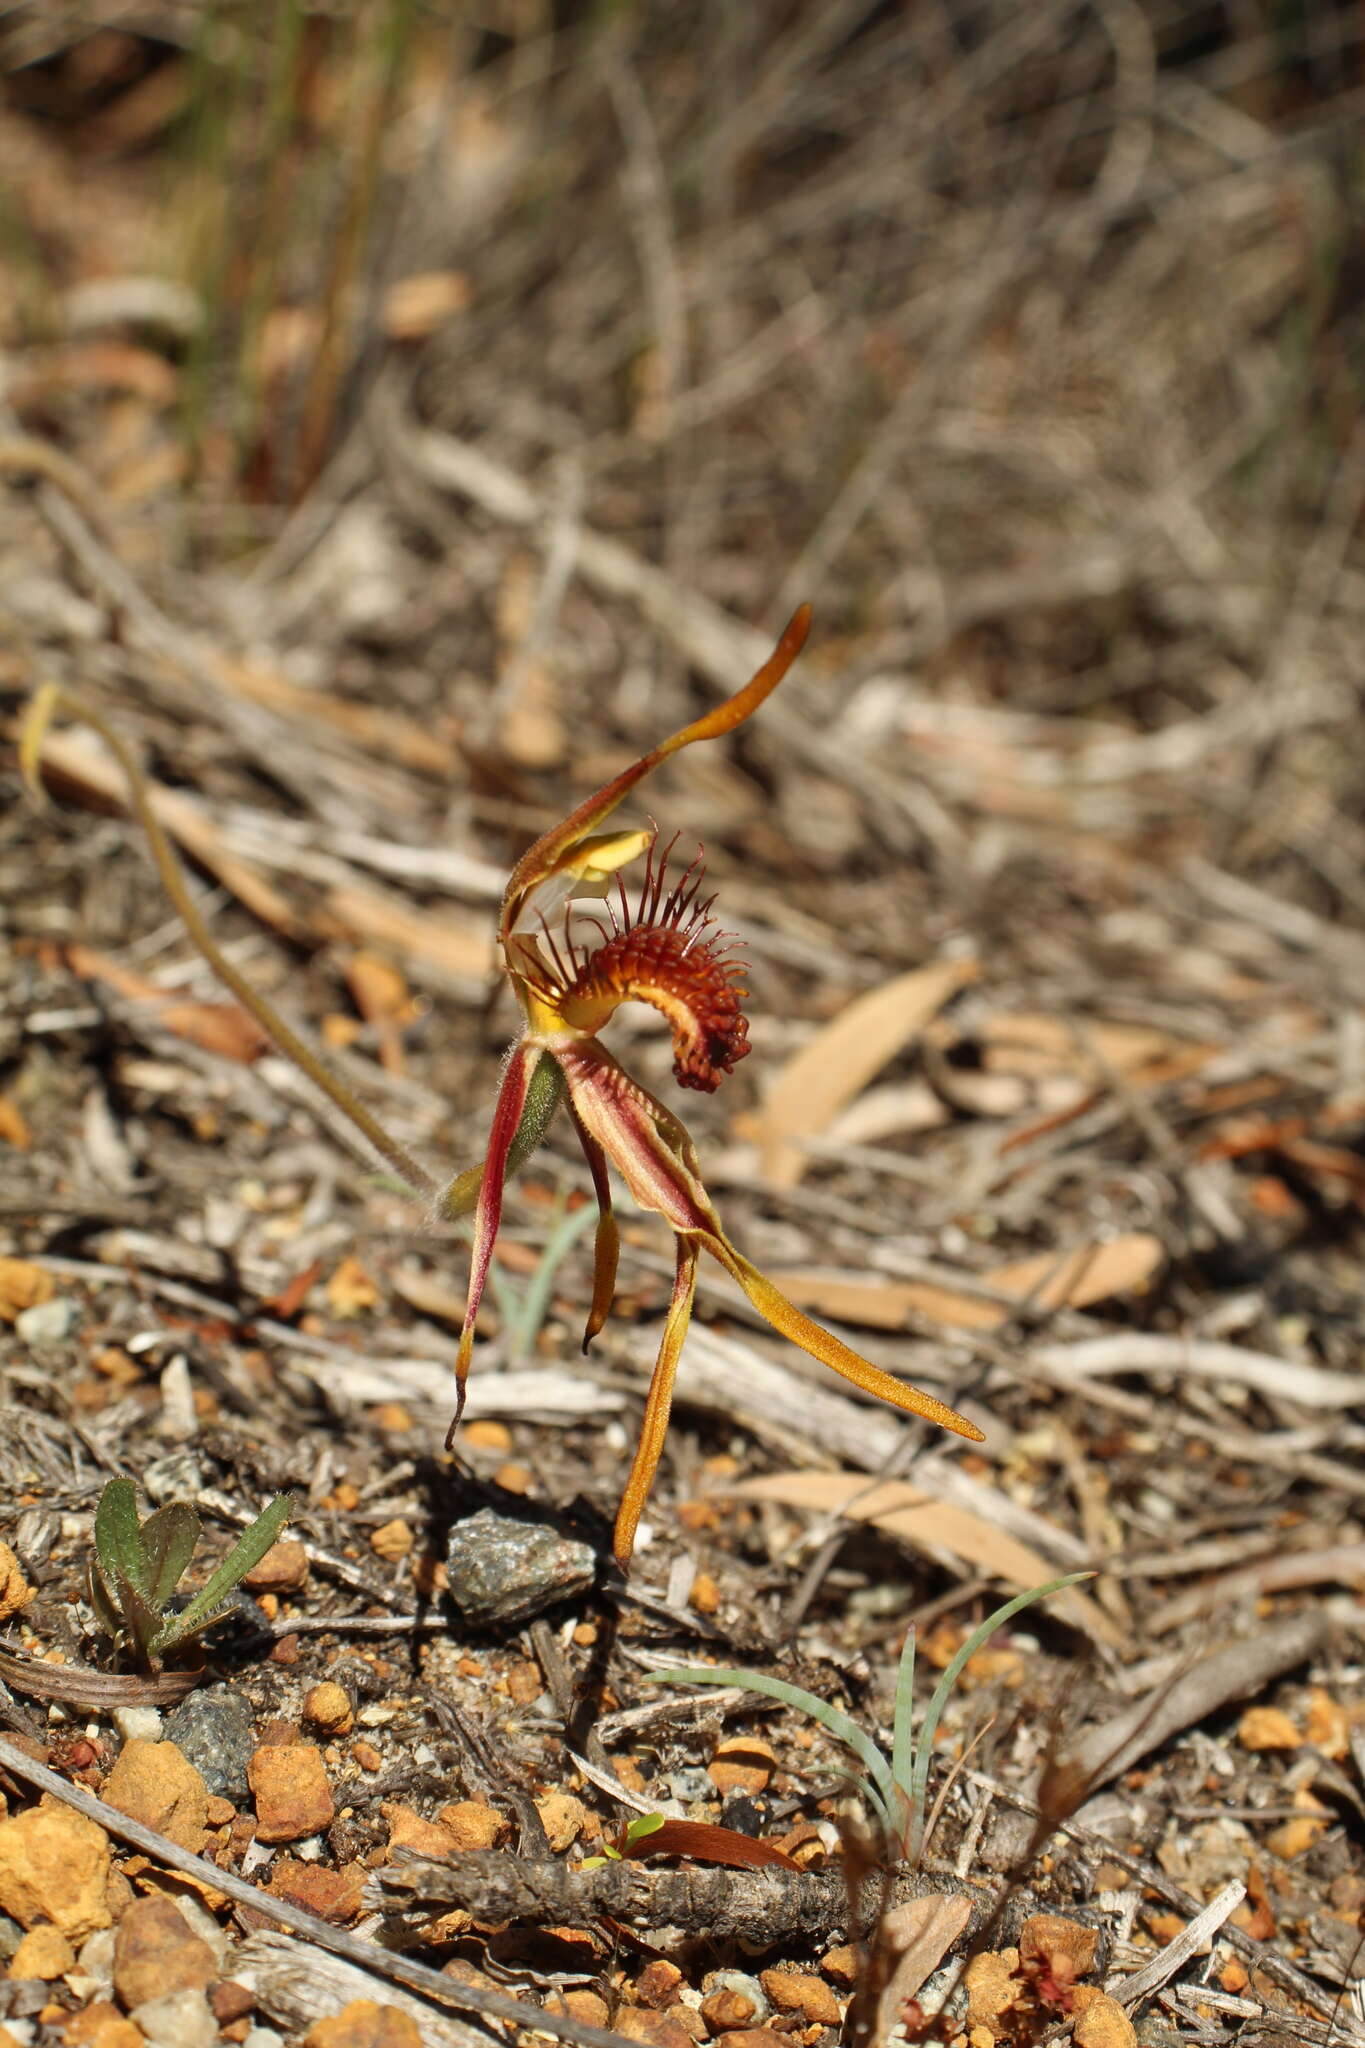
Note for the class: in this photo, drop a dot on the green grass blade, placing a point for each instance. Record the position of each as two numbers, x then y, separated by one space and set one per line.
933 1714
839 1725
902 1732
536 1298
250 1547
116 1535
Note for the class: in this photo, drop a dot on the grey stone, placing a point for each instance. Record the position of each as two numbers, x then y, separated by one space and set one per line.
180 2019
215 1729
504 1570
47 1322
143 1724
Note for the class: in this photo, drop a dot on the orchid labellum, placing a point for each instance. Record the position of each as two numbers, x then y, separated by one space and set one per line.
657 945
570 971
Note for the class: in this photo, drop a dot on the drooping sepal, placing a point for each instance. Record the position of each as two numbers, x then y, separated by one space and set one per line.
522 1063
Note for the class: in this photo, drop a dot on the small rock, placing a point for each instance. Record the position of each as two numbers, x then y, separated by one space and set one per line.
485 1435
156 1954
1065 1947
474 1824
464 1824
562 1817
1100 2021
137 1724
723 2011
657 2029
44 1953
736 2000
589 2008
392 1540
754 2037
230 2001
292 1794
262 2037
328 1707
993 1985
503 1570
215 1729
1292 1837
392 1417
333 1895
657 1984
180 2019
743 1764
524 1683
364 2024
101 2025
841 1964
689 2019
799 1991
47 1322
156 1783
54 1865
367 1756
95 1966
1267 1728
283 1569
1327 1725
15 1591
705 1595
21 1285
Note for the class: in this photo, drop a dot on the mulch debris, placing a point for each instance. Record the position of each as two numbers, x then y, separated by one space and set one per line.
384 535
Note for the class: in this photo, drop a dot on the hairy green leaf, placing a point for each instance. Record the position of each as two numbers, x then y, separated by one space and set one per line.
168 1539
117 1532
250 1547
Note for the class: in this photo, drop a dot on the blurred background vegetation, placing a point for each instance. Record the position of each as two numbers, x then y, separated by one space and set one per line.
1027 341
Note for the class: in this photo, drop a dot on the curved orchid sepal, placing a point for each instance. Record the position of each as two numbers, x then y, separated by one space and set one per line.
575 848
544 1094
508 1118
655 1157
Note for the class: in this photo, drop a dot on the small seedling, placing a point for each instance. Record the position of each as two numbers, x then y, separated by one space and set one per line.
894 1788
138 1565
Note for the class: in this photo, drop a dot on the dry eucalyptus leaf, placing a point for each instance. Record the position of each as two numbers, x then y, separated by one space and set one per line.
1062 1279
844 1056
929 1525
920 1935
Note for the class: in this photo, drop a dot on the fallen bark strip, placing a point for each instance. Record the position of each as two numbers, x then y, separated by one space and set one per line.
759 1906
76 1685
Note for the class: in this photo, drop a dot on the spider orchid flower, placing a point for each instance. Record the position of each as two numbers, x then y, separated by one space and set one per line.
660 947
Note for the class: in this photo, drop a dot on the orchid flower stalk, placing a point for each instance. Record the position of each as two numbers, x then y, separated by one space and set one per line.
570 971
659 946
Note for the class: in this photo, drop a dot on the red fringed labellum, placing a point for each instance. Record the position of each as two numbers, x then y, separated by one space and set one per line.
665 950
